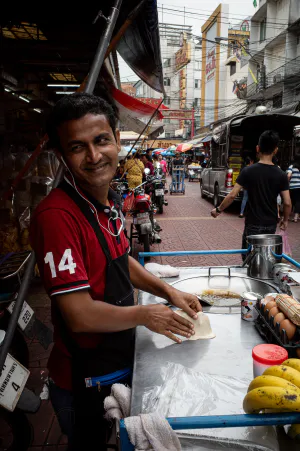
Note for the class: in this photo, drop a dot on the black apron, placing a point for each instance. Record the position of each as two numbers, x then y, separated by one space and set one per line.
115 351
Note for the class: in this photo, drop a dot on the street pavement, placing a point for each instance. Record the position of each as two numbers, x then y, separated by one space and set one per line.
187 225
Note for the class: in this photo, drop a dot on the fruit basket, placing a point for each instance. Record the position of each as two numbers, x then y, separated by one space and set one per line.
271 332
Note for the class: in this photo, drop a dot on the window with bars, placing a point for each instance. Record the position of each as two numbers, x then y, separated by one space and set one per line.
197 83
167 81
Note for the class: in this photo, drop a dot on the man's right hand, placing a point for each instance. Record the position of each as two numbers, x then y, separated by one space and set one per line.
163 320
283 225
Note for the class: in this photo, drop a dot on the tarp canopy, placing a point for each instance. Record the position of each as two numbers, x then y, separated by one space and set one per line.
70 38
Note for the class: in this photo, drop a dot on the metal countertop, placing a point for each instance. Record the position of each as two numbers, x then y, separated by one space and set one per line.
228 354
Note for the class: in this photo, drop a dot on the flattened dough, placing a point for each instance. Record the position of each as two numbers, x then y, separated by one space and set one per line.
201 326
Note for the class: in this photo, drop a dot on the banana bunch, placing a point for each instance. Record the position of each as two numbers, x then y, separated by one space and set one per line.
277 390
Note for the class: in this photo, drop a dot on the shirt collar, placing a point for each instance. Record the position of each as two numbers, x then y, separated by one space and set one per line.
112 196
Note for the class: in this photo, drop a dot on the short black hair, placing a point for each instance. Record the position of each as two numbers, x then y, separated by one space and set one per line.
76 106
268 141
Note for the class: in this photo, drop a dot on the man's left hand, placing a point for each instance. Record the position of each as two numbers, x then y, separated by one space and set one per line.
214 213
189 303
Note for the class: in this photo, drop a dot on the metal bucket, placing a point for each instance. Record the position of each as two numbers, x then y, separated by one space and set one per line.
262 257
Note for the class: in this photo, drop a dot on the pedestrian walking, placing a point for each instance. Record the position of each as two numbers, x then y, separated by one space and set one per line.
177 161
248 162
148 164
135 171
293 174
149 154
263 181
163 164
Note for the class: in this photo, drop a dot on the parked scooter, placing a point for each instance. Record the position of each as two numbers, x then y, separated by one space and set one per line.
144 227
15 399
158 191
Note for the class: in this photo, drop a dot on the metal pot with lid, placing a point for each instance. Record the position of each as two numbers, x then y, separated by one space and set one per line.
266 251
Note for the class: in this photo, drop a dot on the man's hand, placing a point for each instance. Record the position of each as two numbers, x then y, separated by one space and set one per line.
214 213
189 303
163 320
283 224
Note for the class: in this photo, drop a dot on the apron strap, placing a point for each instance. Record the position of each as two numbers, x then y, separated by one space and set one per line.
89 215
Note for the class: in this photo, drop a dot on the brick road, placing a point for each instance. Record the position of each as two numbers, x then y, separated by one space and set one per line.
187 225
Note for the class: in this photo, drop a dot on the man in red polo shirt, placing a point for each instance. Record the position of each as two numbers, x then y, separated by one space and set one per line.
82 254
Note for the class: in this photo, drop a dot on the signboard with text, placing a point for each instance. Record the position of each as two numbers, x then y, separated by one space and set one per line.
210 70
177 114
183 56
164 144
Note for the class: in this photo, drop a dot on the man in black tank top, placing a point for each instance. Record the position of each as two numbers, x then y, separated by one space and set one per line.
264 181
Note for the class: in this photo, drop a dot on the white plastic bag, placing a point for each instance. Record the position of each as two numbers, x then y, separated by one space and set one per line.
187 393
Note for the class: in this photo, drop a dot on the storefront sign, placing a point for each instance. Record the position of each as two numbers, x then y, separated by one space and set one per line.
151 101
183 56
211 64
164 144
182 88
177 114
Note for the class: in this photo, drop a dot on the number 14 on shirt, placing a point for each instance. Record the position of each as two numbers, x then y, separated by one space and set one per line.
66 263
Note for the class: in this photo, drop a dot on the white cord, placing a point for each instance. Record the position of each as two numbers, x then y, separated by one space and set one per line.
94 210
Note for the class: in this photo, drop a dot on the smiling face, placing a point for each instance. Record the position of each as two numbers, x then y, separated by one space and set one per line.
90 150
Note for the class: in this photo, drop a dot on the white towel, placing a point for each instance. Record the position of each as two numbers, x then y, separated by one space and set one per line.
162 270
146 432
151 432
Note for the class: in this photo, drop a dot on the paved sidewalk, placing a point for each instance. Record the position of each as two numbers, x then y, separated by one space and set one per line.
187 225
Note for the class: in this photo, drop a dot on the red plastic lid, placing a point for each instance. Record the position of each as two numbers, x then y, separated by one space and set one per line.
269 354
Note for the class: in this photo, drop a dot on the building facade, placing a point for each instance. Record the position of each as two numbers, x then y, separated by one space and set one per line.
274 65
181 55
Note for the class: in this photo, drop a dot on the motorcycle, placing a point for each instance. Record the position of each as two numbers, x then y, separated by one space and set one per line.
158 190
144 227
15 398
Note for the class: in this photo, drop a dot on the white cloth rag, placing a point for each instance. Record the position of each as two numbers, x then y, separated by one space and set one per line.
162 270
147 432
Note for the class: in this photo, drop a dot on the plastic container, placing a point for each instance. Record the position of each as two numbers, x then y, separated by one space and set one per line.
267 355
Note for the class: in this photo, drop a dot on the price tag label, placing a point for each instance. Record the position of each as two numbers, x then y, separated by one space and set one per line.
25 315
12 382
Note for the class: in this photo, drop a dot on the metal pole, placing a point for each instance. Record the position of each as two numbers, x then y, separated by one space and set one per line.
102 47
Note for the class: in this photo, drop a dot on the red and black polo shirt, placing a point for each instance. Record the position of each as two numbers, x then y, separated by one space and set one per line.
71 259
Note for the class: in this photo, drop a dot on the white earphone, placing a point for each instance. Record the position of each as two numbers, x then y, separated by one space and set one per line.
114 214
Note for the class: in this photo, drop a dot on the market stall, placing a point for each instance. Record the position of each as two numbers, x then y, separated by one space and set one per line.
200 385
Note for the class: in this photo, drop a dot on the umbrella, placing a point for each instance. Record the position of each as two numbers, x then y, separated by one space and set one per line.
184 147
171 148
167 153
158 151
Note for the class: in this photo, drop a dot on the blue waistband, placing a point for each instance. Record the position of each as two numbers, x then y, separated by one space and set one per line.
108 379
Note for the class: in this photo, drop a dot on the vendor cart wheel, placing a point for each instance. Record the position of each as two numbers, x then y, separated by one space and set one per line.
16 432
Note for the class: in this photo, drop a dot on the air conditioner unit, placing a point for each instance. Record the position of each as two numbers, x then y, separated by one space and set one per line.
277 78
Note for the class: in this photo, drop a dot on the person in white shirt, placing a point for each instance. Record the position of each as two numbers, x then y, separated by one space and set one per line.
293 174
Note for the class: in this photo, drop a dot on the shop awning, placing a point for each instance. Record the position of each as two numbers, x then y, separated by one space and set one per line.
231 60
71 36
130 136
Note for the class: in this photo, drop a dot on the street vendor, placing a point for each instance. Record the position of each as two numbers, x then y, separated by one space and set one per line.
82 254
